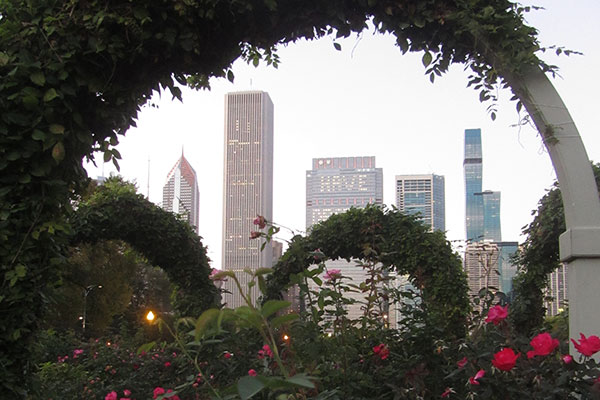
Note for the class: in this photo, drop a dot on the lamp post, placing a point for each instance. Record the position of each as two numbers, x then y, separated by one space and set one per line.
87 291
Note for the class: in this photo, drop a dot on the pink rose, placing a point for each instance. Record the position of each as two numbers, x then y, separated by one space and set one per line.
462 363
382 351
497 314
474 380
157 392
111 396
567 359
333 274
447 392
542 344
587 346
265 351
227 355
167 364
505 359
260 221
251 372
174 397
126 392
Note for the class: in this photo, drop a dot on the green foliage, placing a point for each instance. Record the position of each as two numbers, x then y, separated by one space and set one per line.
538 257
401 243
74 75
115 211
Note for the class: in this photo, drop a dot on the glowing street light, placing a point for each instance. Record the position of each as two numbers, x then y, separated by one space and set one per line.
150 316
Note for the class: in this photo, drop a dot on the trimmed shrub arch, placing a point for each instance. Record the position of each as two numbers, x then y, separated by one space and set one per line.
402 244
158 235
75 74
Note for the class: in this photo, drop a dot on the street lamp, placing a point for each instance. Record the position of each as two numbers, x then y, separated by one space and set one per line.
150 316
87 291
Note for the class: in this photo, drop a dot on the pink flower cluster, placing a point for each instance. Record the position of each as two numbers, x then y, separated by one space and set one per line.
333 274
158 391
265 351
382 351
114 396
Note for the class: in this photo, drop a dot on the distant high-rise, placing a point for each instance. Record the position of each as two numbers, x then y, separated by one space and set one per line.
424 195
489 264
333 186
336 184
482 211
180 193
247 185
557 293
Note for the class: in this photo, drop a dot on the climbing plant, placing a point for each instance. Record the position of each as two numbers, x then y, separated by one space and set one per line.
74 75
538 257
399 242
116 212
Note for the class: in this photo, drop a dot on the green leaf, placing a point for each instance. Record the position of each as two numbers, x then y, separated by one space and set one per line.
230 76
248 386
301 380
57 129
3 58
145 347
38 135
283 319
337 46
50 94
427 58
204 321
58 152
272 306
38 78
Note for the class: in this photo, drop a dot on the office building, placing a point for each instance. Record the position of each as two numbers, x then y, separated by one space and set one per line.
489 264
247 186
557 294
422 195
333 186
180 193
482 211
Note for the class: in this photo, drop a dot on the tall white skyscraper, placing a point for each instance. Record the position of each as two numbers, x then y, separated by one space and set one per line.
180 193
333 186
423 195
247 186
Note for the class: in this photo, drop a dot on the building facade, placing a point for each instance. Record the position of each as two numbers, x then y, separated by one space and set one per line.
489 264
336 184
557 293
482 208
423 195
247 186
180 192
333 186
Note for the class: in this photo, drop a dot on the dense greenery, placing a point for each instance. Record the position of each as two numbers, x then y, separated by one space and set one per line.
117 212
538 257
74 75
401 243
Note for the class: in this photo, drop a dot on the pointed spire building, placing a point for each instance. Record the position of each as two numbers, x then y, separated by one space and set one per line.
180 193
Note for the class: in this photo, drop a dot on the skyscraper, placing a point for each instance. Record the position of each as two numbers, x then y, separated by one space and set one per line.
482 211
180 193
424 195
247 185
336 184
333 186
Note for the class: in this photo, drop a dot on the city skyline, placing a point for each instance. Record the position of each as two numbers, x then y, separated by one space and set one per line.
247 187
392 112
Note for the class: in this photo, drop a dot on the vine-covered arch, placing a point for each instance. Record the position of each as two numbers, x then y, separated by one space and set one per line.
160 236
74 74
399 242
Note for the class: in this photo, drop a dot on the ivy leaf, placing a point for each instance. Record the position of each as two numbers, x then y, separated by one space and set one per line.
230 76
50 94
58 152
57 129
337 46
38 78
427 58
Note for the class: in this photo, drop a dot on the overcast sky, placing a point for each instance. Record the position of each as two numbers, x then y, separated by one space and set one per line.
370 100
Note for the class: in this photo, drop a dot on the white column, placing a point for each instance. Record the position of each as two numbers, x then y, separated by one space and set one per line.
580 244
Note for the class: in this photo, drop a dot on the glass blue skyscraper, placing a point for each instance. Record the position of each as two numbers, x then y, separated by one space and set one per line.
482 212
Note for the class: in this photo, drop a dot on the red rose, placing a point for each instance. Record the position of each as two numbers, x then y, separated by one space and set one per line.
462 363
474 380
497 314
567 359
587 346
505 359
252 372
542 344
260 221
382 351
